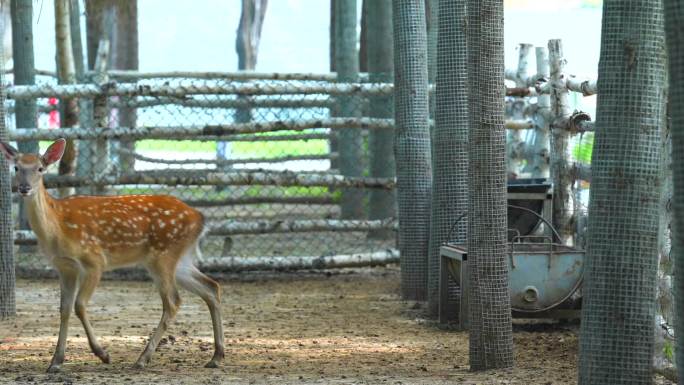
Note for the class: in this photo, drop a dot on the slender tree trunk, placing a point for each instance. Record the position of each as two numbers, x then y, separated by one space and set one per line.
620 273
363 38
83 166
247 48
24 74
332 143
349 140
381 69
124 56
66 73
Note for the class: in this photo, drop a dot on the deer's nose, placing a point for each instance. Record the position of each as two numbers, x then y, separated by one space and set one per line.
24 189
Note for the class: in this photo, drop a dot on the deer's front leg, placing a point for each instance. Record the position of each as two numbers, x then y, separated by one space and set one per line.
69 284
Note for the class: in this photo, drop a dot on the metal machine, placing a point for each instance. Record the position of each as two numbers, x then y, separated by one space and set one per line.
543 273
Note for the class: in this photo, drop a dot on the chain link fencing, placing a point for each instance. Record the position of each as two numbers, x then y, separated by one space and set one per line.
251 152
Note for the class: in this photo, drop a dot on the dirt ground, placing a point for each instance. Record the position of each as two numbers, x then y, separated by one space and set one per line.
345 327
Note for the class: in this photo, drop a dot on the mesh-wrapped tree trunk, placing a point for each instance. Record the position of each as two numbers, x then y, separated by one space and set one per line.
491 344
432 23
349 141
381 69
674 27
24 74
449 140
7 279
616 336
412 144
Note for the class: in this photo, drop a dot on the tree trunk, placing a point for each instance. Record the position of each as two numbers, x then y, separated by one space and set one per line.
674 27
621 264
332 143
379 45
124 56
66 74
83 166
432 24
450 141
363 38
7 275
349 141
561 170
116 21
491 342
247 48
412 144
24 73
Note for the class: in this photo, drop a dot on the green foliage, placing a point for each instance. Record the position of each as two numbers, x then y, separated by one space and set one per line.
668 351
582 151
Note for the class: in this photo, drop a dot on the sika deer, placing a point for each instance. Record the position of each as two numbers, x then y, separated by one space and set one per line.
86 235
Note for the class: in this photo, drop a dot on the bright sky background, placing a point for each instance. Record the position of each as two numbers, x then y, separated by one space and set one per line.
199 35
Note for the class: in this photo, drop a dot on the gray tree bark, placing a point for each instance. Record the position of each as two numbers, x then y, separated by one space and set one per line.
124 56
674 28
24 73
618 307
381 69
66 74
349 141
247 48
491 342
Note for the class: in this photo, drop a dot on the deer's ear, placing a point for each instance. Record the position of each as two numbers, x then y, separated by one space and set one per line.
54 152
8 151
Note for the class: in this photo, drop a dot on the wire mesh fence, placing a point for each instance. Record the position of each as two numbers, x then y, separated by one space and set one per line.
252 154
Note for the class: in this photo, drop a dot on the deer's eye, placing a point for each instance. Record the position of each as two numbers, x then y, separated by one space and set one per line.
40 169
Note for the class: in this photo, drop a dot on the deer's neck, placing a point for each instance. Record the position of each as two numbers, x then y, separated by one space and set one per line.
42 215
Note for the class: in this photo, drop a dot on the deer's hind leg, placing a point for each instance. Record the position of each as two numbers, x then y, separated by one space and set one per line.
206 288
162 269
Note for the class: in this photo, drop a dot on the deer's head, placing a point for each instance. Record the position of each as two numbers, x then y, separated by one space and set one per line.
30 168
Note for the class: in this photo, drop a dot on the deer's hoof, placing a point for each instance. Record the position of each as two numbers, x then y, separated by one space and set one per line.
104 357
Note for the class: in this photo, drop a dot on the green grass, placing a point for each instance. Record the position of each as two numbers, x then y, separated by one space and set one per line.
239 149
